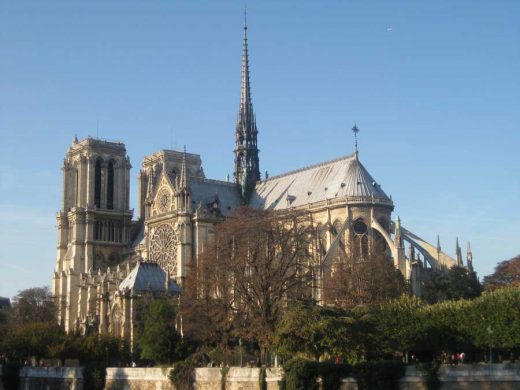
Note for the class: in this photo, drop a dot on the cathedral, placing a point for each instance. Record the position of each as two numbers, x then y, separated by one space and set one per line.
108 259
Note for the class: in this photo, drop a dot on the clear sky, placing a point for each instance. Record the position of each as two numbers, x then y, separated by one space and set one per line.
434 87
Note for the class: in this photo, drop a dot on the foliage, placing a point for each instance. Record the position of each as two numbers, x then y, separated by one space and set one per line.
311 330
11 375
304 374
262 379
507 273
183 375
372 279
31 339
378 375
331 374
240 287
451 284
223 377
32 305
94 375
300 374
405 326
159 340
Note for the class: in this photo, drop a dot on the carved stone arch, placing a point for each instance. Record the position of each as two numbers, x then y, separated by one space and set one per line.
377 226
98 174
99 260
116 321
321 238
360 245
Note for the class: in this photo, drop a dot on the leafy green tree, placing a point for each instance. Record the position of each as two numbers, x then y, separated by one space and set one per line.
451 284
32 305
507 273
310 330
398 323
31 340
159 340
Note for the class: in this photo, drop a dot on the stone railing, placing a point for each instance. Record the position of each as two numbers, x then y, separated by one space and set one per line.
466 376
34 378
145 378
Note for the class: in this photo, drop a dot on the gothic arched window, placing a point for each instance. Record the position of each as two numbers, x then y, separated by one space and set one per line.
97 184
110 185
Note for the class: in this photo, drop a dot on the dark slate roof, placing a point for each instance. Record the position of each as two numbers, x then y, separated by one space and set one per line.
207 190
148 276
345 178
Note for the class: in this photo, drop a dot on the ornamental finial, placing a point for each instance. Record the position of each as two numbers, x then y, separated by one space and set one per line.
355 130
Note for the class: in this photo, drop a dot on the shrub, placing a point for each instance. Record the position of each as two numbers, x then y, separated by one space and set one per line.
300 374
331 374
11 375
183 375
94 375
378 375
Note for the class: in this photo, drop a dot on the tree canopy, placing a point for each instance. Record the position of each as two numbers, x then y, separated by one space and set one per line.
507 273
32 305
159 339
450 284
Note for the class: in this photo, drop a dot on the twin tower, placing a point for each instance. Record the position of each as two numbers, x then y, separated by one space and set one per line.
95 226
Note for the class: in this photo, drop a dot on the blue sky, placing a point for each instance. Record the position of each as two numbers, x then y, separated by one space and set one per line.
433 86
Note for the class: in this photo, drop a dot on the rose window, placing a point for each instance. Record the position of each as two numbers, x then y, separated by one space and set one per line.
163 248
164 201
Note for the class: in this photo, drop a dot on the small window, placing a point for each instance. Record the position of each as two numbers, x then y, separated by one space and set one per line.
360 227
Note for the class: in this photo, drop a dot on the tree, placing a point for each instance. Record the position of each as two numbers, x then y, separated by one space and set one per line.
311 330
257 263
159 340
371 279
32 305
506 273
451 284
30 340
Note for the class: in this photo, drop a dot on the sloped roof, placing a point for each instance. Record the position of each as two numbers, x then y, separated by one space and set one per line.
345 177
205 191
148 277
5 303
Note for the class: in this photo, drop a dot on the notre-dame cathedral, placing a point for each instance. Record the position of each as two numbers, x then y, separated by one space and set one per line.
107 258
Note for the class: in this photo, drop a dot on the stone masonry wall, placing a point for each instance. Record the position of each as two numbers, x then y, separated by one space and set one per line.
51 378
468 377
139 378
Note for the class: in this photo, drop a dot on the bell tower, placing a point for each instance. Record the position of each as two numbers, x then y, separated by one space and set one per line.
94 221
247 170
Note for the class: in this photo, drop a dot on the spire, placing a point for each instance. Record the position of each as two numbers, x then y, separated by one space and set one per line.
245 94
458 253
469 257
438 243
183 186
355 130
247 171
183 181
